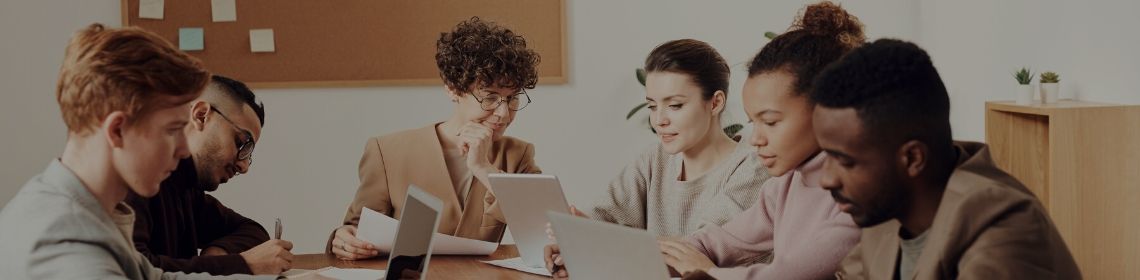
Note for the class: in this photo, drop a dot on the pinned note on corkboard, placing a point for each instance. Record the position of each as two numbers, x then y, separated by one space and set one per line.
351 43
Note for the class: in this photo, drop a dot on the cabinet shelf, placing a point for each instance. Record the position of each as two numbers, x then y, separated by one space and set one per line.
1082 161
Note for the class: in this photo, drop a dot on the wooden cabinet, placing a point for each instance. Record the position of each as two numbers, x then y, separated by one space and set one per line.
1082 160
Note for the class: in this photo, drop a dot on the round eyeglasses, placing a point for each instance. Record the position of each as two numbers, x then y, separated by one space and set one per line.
492 101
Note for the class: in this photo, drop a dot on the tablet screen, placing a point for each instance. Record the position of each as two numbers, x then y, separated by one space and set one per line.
410 249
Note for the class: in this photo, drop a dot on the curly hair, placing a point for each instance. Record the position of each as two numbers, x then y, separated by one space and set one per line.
895 90
482 52
821 34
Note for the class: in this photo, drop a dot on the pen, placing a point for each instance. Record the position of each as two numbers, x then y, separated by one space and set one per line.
277 229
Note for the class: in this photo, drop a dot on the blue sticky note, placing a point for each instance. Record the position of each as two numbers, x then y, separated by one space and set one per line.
190 39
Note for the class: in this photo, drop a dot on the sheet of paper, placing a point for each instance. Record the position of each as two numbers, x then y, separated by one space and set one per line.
380 230
353 273
451 245
261 40
152 9
223 10
518 264
298 273
191 39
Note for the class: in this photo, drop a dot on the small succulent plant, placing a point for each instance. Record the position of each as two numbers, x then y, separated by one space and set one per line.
1050 77
1023 76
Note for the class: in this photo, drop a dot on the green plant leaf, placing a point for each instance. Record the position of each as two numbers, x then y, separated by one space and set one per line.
770 35
1023 76
732 130
635 109
641 76
1050 77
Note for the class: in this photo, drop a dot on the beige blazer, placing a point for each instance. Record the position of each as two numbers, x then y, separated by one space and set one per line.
414 157
988 226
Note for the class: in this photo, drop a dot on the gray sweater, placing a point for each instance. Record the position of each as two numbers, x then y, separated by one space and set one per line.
646 194
54 228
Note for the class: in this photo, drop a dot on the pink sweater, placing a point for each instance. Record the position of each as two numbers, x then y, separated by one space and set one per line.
796 218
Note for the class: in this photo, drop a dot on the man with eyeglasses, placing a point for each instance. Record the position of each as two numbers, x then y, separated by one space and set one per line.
172 226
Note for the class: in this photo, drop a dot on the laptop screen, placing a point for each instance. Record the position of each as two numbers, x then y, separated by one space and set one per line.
418 222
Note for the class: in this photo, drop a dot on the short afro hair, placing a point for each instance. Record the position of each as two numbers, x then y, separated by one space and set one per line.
895 91
482 52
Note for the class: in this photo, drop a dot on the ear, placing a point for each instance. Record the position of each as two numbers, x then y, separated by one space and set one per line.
718 102
453 93
113 126
913 157
199 114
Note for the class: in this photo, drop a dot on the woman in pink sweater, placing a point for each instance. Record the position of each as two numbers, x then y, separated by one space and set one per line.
794 216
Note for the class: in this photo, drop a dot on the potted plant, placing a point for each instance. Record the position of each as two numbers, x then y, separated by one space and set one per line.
1049 86
1024 88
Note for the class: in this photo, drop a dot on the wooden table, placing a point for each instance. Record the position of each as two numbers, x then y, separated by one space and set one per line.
440 267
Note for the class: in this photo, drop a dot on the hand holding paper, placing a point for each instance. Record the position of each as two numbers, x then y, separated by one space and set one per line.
380 230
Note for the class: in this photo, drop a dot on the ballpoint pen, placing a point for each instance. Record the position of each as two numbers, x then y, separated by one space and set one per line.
277 229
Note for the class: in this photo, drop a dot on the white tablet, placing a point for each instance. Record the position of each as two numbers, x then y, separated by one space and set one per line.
524 200
598 250
418 223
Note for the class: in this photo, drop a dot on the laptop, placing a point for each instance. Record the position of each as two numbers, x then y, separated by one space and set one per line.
599 250
524 200
412 246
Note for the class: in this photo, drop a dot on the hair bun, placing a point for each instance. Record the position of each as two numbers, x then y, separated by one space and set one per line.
829 19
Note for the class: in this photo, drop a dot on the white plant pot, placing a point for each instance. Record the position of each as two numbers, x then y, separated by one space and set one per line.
1049 92
1025 94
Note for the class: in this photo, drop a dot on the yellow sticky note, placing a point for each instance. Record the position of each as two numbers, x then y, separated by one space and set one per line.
223 10
151 9
261 40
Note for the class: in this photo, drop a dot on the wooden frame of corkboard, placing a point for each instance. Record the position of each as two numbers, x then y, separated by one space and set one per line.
353 43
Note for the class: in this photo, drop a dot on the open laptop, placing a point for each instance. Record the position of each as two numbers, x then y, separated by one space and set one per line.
599 250
412 246
524 200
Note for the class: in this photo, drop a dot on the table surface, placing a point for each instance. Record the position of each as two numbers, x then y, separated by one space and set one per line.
440 266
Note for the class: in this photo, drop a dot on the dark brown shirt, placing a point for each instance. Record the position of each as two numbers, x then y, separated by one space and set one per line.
173 225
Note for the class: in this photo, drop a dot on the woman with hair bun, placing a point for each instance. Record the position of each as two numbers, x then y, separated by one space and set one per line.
794 217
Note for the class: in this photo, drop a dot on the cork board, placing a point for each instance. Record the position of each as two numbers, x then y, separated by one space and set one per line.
352 43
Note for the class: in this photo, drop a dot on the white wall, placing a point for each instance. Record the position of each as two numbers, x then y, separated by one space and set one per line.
977 44
305 167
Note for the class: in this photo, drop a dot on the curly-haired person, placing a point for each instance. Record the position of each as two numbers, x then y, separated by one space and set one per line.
486 70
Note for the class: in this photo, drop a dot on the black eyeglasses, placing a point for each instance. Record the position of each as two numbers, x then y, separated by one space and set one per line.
244 144
492 101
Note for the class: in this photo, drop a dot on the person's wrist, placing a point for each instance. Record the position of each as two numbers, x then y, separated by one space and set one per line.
487 168
214 251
